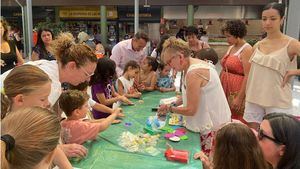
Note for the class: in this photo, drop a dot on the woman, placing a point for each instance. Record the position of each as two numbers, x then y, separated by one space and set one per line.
29 138
70 67
279 138
42 48
273 63
241 147
192 38
201 85
10 55
235 67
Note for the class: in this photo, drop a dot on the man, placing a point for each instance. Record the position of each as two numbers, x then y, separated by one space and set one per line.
131 49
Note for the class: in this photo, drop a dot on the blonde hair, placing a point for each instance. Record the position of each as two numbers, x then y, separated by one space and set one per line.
21 80
66 50
172 45
82 37
35 133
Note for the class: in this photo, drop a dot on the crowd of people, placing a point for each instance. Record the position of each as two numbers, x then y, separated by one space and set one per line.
245 112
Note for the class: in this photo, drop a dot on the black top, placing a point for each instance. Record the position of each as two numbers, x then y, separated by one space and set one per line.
43 54
10 59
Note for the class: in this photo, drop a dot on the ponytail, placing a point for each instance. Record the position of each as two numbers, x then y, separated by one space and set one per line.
7 144
5 105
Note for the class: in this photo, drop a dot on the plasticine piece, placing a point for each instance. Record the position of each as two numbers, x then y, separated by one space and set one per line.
128 124
179 133
150 131
141 101
181 156
183 130
184 137
169 135
174 138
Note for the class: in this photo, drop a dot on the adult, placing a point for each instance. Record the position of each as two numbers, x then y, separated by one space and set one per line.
75 64
235 67
42 48
201 85
279 138
10 55
192 38
29 138
273 63
131 49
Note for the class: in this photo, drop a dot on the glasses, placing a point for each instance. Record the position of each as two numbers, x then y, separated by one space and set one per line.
86 73
169 61
261 136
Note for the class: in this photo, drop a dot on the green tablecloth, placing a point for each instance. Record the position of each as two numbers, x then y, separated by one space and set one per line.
107 154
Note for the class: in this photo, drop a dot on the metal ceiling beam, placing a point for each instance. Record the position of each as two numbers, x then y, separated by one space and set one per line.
130 2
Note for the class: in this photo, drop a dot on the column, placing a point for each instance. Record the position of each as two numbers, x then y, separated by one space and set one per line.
190 15
103 26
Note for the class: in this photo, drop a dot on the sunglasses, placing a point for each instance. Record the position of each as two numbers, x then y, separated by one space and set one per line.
261 135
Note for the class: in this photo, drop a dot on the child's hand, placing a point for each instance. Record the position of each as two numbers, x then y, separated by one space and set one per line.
119 112
137 95
116 122
125 100
74 150
141 87
205 160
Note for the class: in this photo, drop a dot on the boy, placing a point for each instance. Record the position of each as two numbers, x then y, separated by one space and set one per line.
74 130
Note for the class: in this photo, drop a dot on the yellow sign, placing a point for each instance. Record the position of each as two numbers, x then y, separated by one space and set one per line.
86 12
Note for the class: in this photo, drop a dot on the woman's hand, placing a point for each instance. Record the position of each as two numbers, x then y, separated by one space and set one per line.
287 77
163 109
74 150
237 103
205 160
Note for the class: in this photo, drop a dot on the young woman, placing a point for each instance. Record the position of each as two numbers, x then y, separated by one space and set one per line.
10 55
42 48
273 63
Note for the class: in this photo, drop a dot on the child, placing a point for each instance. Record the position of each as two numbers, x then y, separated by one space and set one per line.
241 147
74 130
207 54
164 82
102 86
29 138
27 86
125 83
94 105
147 78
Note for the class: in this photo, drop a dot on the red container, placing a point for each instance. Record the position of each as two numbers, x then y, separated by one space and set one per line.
181 156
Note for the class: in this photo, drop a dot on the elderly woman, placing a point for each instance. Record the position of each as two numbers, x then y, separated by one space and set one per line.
204 102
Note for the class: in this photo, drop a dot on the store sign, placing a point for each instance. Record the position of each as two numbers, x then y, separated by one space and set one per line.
86 12
141 15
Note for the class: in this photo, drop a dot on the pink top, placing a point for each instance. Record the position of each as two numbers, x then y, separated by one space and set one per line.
123 52
78 131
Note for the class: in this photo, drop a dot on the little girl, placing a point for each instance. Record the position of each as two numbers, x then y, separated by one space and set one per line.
165 83
147 78
102 86
125 83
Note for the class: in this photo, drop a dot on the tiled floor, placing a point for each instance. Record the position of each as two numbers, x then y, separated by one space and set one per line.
296 91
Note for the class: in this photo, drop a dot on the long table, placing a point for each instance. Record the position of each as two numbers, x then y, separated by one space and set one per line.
106 153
